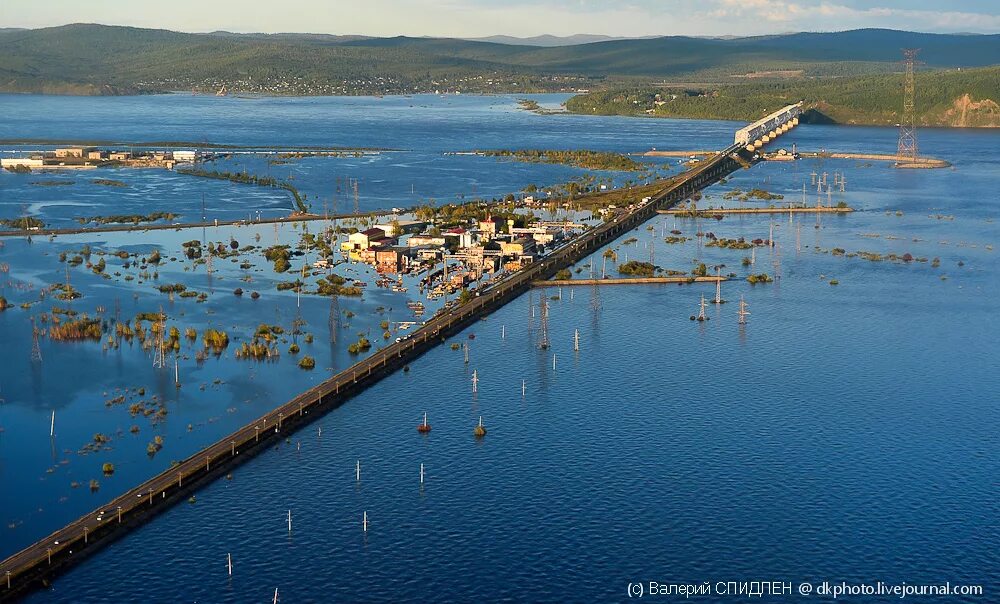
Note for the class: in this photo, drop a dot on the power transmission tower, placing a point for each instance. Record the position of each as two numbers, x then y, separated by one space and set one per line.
159 358
357 207
36 350
204 219
332 321
907 148
743 313
544 340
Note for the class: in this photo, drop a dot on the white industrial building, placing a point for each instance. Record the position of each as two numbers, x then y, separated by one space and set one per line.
21 161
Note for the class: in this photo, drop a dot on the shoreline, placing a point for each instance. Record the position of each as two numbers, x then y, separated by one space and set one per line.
540 111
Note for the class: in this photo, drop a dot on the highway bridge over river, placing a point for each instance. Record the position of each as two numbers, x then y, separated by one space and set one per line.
35 565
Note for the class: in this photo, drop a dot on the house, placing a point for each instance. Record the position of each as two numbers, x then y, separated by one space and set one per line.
490 227
79 152
362 239
119 155
462 237
96 154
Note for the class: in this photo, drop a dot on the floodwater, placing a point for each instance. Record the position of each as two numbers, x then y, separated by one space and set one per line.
848 432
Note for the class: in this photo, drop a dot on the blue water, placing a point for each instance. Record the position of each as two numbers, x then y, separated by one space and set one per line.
417 131
847 433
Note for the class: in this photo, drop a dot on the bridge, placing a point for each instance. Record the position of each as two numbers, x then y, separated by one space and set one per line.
766 129
32 567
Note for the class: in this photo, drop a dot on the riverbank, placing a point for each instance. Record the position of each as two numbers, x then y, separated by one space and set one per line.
956 99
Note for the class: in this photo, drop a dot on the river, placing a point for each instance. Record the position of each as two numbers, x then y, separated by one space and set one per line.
848 432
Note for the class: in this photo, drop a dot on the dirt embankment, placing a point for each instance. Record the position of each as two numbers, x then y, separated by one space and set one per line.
967 113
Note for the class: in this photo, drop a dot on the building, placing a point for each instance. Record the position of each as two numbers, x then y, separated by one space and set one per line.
518 248
490 227
425 239
27 162
541 234
362 240
393 258
427 253
462 237
185 156
78 152
119 155
405 227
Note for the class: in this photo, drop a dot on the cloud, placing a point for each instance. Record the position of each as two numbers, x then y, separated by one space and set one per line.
833 16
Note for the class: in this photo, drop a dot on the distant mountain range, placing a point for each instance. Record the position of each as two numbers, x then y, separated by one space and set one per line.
100 59
549 40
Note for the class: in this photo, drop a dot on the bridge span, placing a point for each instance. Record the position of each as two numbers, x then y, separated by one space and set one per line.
754 136
34 566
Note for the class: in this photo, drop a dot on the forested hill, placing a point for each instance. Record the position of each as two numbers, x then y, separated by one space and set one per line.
98 59
962 98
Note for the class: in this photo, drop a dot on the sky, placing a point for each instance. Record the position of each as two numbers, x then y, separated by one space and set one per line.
522 18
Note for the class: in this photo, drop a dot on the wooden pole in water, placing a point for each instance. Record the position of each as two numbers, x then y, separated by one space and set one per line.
229 563
357 471
289 521
364 522
503 332
524 387
576 339
553 362
52 425
421 473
